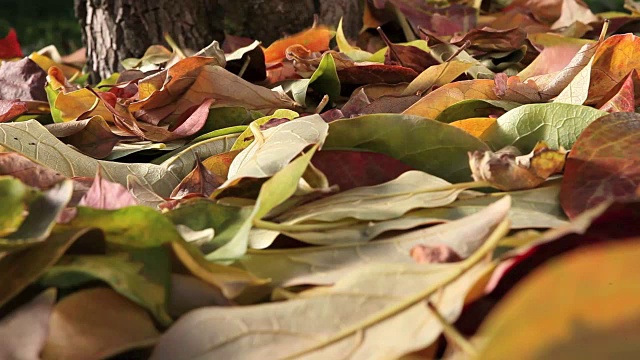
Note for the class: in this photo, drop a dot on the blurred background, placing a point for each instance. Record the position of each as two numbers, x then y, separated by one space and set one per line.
40 23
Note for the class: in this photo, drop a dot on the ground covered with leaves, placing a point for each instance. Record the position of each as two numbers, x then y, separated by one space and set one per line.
471 192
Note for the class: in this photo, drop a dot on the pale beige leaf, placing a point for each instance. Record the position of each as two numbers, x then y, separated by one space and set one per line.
24 332
411 190
326 264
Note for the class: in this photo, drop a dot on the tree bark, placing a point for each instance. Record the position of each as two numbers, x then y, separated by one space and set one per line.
114 30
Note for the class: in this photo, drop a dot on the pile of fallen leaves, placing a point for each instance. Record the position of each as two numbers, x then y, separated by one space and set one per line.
472 192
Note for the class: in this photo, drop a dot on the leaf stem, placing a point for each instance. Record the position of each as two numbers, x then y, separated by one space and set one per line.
453 334
392 51
498 233
244 66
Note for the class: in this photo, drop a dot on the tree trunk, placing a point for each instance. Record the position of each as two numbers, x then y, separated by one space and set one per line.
114 30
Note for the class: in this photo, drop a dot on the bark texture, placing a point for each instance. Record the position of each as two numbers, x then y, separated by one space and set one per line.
114 30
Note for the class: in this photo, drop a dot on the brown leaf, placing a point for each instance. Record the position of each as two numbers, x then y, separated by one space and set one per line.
489 39
22 80
371 74
200 181
24 332
227 89
29 172
95 324
92 137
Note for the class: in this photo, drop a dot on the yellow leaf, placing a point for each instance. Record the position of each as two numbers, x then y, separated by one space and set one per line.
314 39
475 126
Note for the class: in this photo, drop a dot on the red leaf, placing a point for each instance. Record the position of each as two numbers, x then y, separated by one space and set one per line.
27 171
10 109
10 47
351 169
604 164
107 195
192 120
622 97
371 74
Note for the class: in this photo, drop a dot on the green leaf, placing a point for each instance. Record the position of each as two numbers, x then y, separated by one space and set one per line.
557 124
34 141
324 265
52 95
15 197
183 160
273 192
225 117
467 109
353 52
324 80
205 214
246 138
124 274
43 213
427 145
21 268
135 226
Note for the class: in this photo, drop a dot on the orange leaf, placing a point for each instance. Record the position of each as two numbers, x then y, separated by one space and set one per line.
314 39
474 126
435 102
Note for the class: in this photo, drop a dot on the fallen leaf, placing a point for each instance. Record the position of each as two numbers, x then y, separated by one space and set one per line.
410 284
10 46
434 103
25 266
142 279
602 165
29 172
227 89
315 39
274 148
622 97
22 80
104 194
440 20
433 254
426 145
476 108
490 39
350 169
44 209
97 323
200 181
24 332
557 124
475 126
507 171
324 265
162 178
10 109
411 190
92 136
570 327
573 11
436 76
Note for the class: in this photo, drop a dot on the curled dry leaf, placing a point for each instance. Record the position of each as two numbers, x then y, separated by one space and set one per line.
507 171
